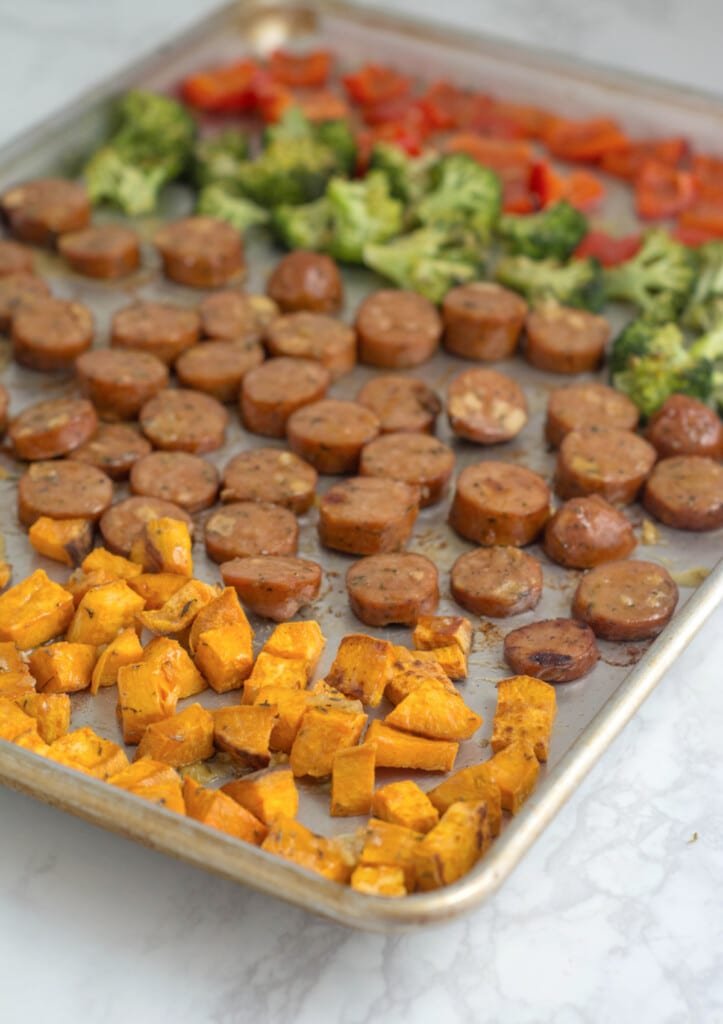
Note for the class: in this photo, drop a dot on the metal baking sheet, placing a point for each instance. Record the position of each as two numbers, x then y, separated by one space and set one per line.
591 711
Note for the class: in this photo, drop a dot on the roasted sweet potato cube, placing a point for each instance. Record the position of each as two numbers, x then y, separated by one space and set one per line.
290 706
452 659
179 610
442 630
14 722
397 749
88 752
321 695
526 709
362 668
103 612
182 739
514 770
404 803
214 808
352 781
124 649
114 566
433 712
472 784
168 546
144 696
63 667
80 582
453 846
154 781
224 610
51 712
11 659
6 573
174 662
380 880
15 684
34 611
289 839
392 845
225 656
409 672
270 670
302 640
63 540
156 588
268 795
323 731
244 732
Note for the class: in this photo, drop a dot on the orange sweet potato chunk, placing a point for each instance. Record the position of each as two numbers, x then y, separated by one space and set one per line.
397 749
103 612
216 809
244 732
115 567
88 752
435 713
180 609
302 640
380 880
156 588
224 610
16 724
352 781
362 668
289 839
67 541
393 845
11 659
473 784
410 671
453 846
290 706
165 546
63 667
526 709
167 656
154 781
125 649
144 696
404 803
441 631
51 712
323 731
182 739
271 670
34 611
268 795
225 655
514 770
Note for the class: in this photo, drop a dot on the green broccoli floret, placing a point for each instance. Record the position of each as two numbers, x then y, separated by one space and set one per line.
362 212
556 231
658 279
338 137
428 261
463 194
308 226
705 305
648 382
577 283
240 212
642 339
410 177
216 160
113 178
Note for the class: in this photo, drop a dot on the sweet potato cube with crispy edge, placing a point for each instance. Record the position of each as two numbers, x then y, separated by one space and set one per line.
125 649
16 684
404 803
321 695
180 609
64 540
14 722
393 845
453 846
156 588
352 781
244 732
174 662
34 611
362 668
397 749
225 656
526 709
167 546
290 706
144 696
80 582
223 610
153 781
442 630
514 770
268 795
114 566
432 712
382 880
470 784
63 667
88 752
51 712
292 841
270 670
103 612
182 739
451 658
216 809
298 640
409 672
323 731
11 659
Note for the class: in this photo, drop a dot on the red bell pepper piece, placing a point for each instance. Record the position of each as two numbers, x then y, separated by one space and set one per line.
586 141
607 249
270 98
322 105
662 191
517 198
300 70
374 83
704 215
511 159
581 189
628 162
448 106
227 89
692 237
530 122
708 173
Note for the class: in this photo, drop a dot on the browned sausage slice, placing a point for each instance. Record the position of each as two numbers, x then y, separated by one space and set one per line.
603 460
218 367
556 650
270 393
186 480
397 329
120 382
247 528
499 503
105 251
330 434
486 406
38 211
686 492
233 316
50 334
156 327
124 522
685 426
182 420
416 459
113 448
497 581
386 589
586 532
314 336
366 516
306 280
565 340
55 427
273 586
587 405
62 490
15 258
403 404
482 320
273 475
18 290
631 600
202 252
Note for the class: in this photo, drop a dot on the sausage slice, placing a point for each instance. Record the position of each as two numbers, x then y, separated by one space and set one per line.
247 528
156 327
185 479
113 448
217 367
586 532
416 459
306 280
55 427
105 251
201 252
330 434
62 490
270 393
401 404
686 492
631 600
387 589
486 406
124 522
314 336
17 291
15 258
603 460
556 650
38 211
397 329
587 405
499 503
273 586
497 581
366 516
565 340
120 382
272 475
180 420
234 316
685 426
482 320
50 334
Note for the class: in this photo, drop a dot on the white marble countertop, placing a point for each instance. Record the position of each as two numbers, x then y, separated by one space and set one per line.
615 915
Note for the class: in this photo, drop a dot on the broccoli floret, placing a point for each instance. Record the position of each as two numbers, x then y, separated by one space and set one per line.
648 382
556 231
642 339
112 178
705 305
362 212
338 137
658 279
291 126
464 194
577 283
307 226
287 172
410 177
241 213
216 160
427 261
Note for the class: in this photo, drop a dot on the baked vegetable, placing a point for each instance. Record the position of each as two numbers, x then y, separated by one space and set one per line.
657 280
34 611
554 232
214 808
430 260
144 696
463 195
180 740
268 795
578 283
63 540
154 781
124 649
397 749
323 732
352 781
362 668
103 612
244 732
404 803
63 667
526 709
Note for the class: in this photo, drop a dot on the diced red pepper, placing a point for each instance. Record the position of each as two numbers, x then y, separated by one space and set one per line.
586 141
517 198
227 89
300 70
511 159
398 133
607 249
662 191
704 215
627 162
692 237
530 122
448 106
270 98
374 83
547 184
322 105
581 189
708 171
391 110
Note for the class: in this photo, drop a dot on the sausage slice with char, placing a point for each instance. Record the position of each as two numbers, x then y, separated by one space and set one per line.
556 650
631 600
388 589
